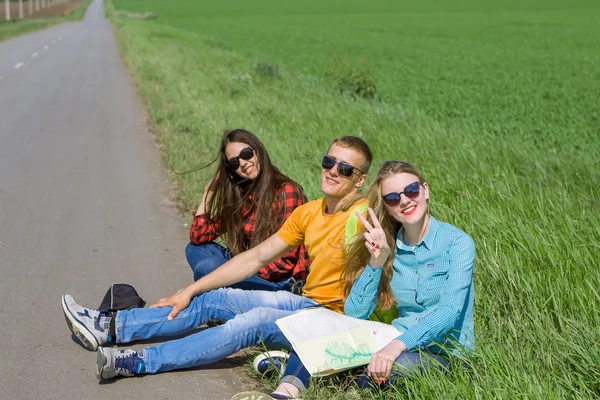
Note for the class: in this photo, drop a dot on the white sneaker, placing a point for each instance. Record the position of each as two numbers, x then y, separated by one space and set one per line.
85 324
270 360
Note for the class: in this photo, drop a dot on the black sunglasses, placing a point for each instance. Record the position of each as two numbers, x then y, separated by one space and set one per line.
246 154
411 191
343 169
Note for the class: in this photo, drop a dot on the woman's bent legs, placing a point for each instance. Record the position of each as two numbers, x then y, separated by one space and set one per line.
409 362
205 258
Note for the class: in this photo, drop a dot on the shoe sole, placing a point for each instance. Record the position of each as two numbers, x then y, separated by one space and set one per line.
87 339
270 355
251 396
101 361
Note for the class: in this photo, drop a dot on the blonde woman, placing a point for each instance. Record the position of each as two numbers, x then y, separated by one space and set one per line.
410 260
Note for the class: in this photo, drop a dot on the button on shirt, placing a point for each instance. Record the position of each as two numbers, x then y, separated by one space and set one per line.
433 285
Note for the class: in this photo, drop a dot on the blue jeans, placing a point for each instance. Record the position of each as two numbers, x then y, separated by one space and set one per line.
408 363
249 318
205 258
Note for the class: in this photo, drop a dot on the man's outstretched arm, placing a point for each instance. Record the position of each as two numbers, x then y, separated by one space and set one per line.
240 267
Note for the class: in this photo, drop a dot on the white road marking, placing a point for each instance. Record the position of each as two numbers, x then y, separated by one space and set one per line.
19 65
34 55
45 47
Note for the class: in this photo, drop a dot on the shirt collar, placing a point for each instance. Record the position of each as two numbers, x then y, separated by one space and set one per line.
427 240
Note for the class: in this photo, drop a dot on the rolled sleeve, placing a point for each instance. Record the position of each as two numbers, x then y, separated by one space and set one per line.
203 230
292 230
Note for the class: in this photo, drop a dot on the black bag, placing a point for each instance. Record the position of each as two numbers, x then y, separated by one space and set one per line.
121 296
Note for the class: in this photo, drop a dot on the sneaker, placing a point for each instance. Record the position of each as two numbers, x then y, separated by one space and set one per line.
282 396
114 362
270 360
262 396
88 325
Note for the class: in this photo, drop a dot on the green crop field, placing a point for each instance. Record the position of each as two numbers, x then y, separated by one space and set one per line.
495 102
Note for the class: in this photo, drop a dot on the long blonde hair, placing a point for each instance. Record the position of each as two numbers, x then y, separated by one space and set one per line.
358 255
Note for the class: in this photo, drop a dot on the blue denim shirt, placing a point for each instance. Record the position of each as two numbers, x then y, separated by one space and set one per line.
433 285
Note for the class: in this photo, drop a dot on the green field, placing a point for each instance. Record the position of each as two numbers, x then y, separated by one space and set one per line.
16 27
497 104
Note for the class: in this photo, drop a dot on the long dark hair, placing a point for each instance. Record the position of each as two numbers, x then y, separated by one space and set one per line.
231 192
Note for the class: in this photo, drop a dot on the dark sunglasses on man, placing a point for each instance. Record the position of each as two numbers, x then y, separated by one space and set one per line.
245 154
344 169
411 191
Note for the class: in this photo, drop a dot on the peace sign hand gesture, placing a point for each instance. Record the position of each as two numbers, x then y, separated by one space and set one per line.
376 241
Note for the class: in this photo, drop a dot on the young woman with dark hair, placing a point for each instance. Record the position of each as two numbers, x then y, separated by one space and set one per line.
246 201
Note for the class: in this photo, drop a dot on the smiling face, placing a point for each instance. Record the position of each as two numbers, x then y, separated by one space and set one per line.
408 211
337 186
248 169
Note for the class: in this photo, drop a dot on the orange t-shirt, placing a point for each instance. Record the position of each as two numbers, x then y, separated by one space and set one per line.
323 236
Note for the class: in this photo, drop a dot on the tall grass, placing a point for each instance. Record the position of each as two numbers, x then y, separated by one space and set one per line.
511 155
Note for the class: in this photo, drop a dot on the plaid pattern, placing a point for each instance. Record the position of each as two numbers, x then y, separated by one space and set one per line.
293 264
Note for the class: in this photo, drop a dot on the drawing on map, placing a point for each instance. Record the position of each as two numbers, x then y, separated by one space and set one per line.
339 354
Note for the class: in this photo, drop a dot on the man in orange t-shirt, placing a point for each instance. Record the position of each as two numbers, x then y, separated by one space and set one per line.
249 316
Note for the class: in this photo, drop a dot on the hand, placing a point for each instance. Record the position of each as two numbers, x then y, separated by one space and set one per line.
376 241
179 301
381 363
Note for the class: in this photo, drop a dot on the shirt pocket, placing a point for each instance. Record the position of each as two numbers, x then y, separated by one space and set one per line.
430 286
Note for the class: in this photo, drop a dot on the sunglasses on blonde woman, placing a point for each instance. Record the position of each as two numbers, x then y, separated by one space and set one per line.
245 154
411 191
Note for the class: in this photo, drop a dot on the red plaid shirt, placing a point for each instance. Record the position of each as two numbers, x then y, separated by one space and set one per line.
294 263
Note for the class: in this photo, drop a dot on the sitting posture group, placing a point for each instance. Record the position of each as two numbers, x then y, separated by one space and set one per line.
283 254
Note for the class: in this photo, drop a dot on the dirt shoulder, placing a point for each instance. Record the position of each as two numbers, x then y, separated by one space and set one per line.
54 10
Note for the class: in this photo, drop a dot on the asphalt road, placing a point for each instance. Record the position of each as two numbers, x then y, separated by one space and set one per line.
84 202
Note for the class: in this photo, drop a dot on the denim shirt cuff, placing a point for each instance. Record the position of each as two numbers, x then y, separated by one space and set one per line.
372 272
409 342
368 282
